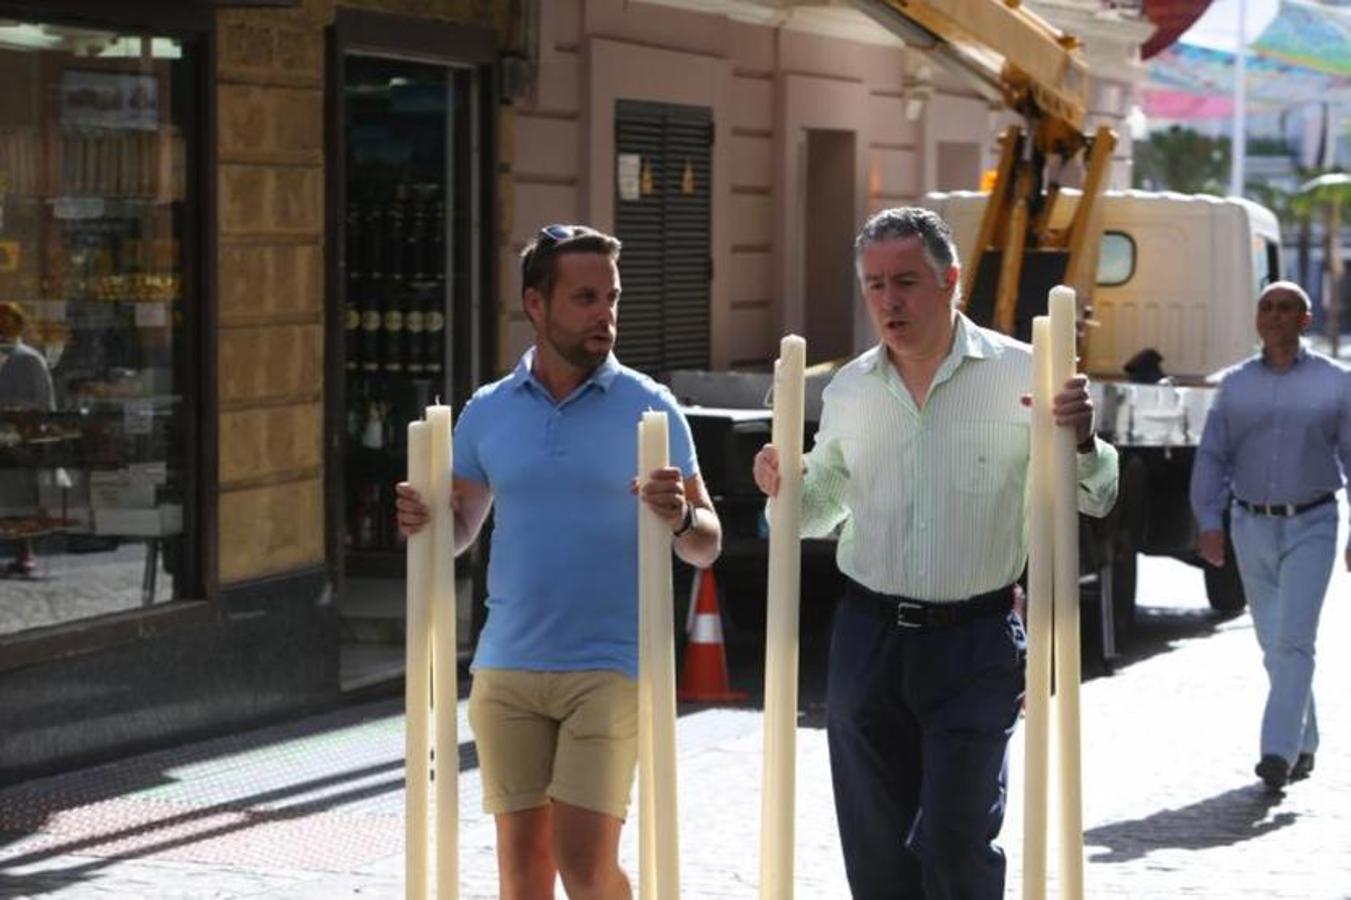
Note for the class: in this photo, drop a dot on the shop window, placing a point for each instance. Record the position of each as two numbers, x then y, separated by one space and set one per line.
95 311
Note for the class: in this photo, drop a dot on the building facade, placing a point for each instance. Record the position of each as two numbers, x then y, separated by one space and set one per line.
186 450
248 240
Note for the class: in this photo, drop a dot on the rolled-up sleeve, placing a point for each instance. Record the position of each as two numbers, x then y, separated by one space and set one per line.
825 483
1098 475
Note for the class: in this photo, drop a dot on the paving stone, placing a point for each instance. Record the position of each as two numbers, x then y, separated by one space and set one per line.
314 809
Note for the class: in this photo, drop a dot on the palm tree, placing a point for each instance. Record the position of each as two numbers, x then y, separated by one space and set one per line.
1292 210
1327 192
1182 159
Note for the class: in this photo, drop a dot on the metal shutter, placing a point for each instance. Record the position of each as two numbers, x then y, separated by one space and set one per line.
665 266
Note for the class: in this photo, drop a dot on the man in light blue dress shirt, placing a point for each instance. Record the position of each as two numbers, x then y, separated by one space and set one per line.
921 459
1277 443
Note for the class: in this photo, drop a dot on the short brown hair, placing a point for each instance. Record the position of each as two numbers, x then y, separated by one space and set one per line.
539 259
15 310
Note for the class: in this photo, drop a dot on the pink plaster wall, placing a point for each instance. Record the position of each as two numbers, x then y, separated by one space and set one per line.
622 69
766 87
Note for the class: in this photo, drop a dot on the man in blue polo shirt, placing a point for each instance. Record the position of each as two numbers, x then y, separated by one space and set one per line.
554 701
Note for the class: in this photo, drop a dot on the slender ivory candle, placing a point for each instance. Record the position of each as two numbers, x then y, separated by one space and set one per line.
1040 578
1064 316
445 689
777 806
659 858
417 675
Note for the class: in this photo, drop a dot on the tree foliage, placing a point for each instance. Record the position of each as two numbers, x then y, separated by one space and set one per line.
1182 159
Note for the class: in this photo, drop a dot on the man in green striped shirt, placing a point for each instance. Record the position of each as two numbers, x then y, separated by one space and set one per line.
921 461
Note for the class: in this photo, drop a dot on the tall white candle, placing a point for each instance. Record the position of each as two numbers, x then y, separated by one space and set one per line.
1040 580
777 800
1064 317
417 675
659 858
445 687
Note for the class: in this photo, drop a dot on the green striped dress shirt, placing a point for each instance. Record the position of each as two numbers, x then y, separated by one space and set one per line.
934 501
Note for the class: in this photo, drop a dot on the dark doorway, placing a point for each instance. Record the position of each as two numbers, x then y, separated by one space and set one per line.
662 215
827 245
410 139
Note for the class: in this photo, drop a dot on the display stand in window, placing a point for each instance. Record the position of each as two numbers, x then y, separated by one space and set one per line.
93 206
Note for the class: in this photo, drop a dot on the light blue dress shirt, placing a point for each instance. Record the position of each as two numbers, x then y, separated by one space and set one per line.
1273 437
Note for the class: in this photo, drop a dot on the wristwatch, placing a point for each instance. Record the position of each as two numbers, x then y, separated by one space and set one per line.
687 523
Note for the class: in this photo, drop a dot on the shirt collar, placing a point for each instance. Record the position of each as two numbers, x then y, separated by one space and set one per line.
603 376
1301 353
968 341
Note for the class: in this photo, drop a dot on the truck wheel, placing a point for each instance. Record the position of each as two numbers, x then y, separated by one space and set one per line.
1224 589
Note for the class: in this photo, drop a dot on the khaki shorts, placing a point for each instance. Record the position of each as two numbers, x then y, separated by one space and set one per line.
570 736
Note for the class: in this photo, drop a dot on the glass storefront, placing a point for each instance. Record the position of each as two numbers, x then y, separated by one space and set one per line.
95 315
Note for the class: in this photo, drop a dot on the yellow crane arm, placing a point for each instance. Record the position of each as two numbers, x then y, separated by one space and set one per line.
1040 73
1037 68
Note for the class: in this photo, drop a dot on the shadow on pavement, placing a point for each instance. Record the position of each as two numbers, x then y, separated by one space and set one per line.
1233 817
31 809
1160 629
159 834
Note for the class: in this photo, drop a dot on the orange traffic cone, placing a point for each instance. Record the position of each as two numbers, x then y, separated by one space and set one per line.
703 677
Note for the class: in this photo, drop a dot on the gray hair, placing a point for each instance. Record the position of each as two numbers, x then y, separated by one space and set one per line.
1288 287
906 222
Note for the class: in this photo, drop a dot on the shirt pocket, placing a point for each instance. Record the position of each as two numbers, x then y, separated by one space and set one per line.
986 459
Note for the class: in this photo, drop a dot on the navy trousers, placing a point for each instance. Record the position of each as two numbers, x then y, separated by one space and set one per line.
919 722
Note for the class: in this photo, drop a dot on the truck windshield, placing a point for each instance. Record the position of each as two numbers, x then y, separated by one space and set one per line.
1266 263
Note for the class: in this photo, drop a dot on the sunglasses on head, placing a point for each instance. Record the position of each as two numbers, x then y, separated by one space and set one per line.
553 234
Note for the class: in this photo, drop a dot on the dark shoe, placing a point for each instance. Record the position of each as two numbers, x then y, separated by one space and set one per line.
1302 768
1274 772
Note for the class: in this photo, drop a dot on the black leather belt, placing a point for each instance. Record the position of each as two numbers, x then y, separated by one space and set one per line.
903 612
1285 510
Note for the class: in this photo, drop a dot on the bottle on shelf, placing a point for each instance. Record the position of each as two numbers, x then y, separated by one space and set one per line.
352 308
414 239
371 319
366 516
433 308
391 291
357 398
373 434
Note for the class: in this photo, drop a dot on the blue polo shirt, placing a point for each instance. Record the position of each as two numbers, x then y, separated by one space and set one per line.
563 567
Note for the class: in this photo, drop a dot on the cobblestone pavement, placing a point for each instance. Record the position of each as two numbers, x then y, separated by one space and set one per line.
313 809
